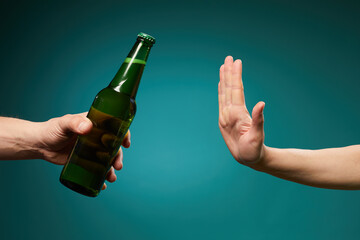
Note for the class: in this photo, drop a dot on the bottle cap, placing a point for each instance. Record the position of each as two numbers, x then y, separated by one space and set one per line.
149 39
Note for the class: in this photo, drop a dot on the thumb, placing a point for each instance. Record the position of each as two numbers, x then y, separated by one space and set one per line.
78 124
258 118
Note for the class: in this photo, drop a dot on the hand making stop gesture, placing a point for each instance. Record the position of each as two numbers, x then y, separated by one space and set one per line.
243 135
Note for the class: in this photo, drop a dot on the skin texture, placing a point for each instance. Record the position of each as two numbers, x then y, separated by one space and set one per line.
334 168
51 140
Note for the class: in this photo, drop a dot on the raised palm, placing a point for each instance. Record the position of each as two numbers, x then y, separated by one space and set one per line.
243 135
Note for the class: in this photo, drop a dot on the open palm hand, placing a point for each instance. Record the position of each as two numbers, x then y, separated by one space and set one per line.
243 135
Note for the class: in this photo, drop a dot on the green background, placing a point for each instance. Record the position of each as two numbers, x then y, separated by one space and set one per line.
179 180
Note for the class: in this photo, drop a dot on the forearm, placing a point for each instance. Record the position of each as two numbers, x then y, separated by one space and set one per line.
336 168
19 139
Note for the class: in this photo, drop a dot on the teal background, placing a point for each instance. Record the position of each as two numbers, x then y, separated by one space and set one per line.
179 180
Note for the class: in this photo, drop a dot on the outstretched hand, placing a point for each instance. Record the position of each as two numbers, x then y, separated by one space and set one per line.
59 136
243 135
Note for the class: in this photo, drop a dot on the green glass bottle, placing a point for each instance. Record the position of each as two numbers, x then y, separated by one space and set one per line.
111 113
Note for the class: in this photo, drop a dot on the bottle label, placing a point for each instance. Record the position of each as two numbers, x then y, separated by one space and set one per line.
134 60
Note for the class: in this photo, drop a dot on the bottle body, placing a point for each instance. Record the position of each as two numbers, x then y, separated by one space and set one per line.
92 157
111 113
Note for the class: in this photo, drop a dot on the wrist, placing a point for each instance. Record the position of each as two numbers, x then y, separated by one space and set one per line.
19 139
264 160
29 142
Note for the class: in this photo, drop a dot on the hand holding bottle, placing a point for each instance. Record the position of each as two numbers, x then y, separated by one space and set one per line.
51 140
59 136
112 113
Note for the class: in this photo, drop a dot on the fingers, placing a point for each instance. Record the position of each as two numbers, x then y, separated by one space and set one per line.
111 176
237 89
78 124
118 162
126 141
228 72
83 114
221 88
258 118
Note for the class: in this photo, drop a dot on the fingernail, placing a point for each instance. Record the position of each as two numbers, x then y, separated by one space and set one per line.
83 126
127 144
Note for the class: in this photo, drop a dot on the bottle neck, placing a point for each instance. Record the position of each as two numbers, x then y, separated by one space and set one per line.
127 79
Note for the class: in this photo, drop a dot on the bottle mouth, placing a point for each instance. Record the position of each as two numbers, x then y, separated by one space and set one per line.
146 38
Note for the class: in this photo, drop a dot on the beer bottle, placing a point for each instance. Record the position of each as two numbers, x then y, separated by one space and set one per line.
111 113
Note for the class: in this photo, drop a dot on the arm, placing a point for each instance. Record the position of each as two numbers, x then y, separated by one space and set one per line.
19 139
335 168
51 140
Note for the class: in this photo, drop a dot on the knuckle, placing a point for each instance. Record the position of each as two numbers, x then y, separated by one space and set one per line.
67 116
261 121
